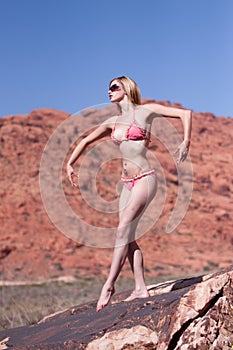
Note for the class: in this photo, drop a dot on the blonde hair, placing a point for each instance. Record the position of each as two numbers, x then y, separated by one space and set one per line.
131 89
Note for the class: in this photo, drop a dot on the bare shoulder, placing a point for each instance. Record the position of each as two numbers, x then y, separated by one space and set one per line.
152 107
108 123
146 111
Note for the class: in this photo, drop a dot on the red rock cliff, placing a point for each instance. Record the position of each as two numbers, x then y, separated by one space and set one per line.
31 246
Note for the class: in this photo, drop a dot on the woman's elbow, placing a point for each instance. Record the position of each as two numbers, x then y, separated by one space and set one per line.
187 114
84 142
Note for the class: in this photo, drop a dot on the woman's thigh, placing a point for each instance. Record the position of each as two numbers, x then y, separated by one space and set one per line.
133 203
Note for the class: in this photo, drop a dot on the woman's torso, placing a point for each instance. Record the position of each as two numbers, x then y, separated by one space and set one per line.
132 135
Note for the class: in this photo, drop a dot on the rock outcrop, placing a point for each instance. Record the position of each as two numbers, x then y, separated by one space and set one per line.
187 314
32 248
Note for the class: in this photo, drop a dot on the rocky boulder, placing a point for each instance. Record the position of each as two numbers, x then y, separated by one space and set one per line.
186 314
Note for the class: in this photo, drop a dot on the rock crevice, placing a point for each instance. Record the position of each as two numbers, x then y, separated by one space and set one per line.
177 336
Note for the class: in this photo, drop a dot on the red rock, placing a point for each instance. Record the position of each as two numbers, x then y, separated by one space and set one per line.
201 242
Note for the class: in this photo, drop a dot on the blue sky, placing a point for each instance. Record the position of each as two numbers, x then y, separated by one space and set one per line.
63 53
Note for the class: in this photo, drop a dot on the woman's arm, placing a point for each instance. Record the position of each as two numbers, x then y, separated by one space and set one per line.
95 135
186 117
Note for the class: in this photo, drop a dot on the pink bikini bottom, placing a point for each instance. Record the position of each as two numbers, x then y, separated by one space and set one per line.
130 181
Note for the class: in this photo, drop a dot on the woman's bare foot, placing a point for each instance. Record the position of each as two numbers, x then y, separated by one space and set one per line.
137 294
105 297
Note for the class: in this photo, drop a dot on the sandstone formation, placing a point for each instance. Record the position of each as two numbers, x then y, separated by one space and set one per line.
32 248
187 314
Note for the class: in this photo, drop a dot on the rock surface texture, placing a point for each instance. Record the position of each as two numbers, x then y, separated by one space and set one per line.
187 314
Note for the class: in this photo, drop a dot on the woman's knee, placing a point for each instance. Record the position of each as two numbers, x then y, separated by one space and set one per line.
125 231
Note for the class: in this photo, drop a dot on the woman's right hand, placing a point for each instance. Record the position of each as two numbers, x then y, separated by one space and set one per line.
70 174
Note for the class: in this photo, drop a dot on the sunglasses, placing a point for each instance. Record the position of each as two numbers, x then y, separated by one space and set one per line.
114 87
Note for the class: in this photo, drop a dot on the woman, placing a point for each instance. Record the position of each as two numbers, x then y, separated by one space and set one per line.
130 130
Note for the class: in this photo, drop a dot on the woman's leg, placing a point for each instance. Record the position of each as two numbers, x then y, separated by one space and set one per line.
132 205
134 253
136 261
118 259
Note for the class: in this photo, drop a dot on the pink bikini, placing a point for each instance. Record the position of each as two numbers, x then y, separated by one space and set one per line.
134 133
130 181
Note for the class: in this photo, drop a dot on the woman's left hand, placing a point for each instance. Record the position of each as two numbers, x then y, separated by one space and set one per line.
182 151
70 173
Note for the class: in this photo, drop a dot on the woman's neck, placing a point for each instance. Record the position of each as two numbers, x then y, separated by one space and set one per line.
126 108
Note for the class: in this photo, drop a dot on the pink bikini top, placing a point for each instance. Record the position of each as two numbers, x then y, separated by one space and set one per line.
134 132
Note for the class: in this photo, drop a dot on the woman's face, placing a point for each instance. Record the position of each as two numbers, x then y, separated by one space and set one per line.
116 92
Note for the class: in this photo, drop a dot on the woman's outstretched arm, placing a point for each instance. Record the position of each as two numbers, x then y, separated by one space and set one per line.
101 131
186 117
